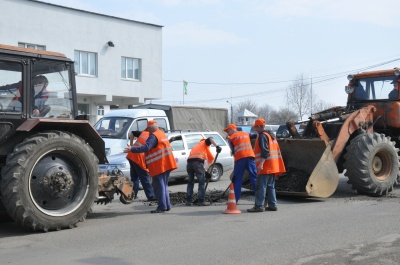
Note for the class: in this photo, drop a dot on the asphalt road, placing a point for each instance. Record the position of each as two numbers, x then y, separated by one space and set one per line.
344 229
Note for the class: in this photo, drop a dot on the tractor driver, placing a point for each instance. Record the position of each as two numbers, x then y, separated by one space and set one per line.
40 95
394 94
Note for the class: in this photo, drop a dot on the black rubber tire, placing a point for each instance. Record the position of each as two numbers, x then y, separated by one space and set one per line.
50 181
4 217
217 173
372 164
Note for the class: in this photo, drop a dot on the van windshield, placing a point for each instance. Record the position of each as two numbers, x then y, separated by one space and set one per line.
113 127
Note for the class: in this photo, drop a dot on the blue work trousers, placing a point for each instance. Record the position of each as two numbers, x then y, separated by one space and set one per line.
138 173
195 169
238 171
160 184
265 182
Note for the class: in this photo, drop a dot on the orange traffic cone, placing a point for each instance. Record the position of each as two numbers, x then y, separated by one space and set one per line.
231 208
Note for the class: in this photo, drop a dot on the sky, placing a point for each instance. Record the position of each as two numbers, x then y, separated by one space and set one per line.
230 51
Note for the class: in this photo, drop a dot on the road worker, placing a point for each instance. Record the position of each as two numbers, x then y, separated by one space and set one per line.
394 94
240 145
195 167
139 169
160 162
269 164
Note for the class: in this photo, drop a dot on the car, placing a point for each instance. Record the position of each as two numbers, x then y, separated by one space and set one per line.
181 142
244 128
272 128
282 132
248 128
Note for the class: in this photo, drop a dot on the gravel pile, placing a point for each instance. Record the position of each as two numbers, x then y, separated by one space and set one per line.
212 196
293 181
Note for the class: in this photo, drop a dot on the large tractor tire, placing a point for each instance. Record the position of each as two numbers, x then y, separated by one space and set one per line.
372 164
50 181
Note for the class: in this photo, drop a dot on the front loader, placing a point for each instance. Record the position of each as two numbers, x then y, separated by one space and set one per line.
49 154
360 139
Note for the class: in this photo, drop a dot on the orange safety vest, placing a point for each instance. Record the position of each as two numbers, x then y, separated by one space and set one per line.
160 159
274 163
138 158
202 151
241 145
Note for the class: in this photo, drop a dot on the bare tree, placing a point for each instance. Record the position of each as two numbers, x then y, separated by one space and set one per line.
282 116
265 112
246 104
299 96
321 105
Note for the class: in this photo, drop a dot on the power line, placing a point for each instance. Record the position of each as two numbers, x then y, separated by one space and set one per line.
317 80
336 75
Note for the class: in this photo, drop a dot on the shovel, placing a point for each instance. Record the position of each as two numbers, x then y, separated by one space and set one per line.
209 172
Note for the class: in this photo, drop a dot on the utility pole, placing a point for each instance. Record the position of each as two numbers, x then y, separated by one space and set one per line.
231 110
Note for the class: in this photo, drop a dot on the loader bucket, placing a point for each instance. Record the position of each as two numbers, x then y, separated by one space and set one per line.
310 168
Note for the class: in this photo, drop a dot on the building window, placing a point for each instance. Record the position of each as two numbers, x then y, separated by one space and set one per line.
100 111
86 63
32 46
131 68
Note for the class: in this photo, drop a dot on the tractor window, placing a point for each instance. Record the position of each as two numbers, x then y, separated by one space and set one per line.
10 87
376 88
51 93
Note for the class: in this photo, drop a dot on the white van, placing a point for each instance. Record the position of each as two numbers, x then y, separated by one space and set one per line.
116 125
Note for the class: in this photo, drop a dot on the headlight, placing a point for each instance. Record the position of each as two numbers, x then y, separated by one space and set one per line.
350 77
349 89
397 72
120 166
108 151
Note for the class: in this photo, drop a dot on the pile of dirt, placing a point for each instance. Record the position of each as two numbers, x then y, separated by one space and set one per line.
293 181
212 196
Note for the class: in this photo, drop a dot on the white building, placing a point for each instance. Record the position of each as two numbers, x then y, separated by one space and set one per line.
246 117
118 61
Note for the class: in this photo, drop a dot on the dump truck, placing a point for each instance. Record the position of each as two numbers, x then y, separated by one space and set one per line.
49 154
116 125
360 139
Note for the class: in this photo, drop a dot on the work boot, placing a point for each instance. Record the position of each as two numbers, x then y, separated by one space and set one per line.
255 210
201 204
274 209
157 211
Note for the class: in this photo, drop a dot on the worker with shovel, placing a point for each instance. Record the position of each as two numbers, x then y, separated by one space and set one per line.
195 167
243 153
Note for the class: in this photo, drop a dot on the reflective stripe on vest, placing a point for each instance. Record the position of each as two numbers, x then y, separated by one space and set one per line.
199 151
273 164
160 158
241 145
138 158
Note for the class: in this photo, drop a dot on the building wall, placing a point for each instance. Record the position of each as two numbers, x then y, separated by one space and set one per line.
65 30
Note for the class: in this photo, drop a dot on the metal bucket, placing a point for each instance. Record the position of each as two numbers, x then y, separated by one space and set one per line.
310 168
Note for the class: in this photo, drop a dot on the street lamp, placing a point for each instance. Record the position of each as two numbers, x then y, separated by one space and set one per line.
231 110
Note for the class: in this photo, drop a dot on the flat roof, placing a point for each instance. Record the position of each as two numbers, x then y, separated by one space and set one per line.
89 12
